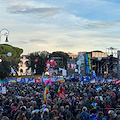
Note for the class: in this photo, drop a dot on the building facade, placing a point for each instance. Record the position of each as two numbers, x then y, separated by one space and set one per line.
23 69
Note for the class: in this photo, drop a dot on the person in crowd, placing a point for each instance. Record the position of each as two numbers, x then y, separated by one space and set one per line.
23 101
84 114
112 115
100 115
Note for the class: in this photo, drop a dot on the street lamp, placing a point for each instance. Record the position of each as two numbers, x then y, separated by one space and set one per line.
6 33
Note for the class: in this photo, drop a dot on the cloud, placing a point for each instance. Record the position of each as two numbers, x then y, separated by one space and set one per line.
24 9
101 25
22 42
38 41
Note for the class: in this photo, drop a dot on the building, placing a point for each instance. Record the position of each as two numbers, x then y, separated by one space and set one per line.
103 64
71 55
99 62
99 54
23 69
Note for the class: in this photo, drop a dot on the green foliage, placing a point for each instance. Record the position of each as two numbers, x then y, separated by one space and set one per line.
8 61
97 51
42 58
63 55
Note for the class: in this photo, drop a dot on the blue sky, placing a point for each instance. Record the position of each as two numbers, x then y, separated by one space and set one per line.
61 25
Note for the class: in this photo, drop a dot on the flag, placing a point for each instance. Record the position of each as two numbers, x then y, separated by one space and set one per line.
5 81
85 78
45 82
69 78
50 82
37 80
4 90
117 81
22 81
12 80
98 88
12 70
30 80
93 80
61 80
45 78
43 100
61 92
94 104
47 88
93 75
19 79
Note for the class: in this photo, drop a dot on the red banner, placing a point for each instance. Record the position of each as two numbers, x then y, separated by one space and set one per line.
62 93
37 80
117 81
62 96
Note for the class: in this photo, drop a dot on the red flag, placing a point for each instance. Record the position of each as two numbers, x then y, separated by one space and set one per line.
61 92
117 81
37 80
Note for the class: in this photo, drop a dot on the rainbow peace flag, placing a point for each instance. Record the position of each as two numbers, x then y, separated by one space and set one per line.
61 80
98 88
93 80
47 88
44 97
59 90
12 80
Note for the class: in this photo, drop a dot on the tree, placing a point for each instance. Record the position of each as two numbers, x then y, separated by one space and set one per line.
37 61
9 61
64 57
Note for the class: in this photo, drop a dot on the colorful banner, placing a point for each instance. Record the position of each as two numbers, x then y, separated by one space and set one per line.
88 63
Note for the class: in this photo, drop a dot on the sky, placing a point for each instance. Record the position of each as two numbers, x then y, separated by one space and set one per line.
61 25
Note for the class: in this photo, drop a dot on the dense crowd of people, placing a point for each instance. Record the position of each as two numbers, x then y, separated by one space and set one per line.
82 102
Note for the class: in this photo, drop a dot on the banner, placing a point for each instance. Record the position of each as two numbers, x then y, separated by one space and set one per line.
3 90
61 92
117 81
85 78
37 80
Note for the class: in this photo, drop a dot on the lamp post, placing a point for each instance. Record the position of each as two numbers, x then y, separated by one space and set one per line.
5 33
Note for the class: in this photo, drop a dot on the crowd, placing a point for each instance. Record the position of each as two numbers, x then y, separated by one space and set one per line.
82 102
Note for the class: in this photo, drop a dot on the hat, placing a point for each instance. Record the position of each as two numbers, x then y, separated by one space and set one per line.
23 108
84 109
96 97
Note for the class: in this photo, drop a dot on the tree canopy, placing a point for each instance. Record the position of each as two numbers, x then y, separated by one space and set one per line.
63 55
37 61
9 61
